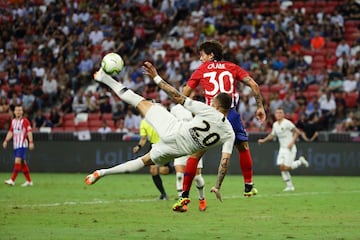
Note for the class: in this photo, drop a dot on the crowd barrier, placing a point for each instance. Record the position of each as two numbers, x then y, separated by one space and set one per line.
334 154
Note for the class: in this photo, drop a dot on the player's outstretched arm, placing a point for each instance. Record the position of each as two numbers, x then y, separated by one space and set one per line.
260 112
223 167
174 94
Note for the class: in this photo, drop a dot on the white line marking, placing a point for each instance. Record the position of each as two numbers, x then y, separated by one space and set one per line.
99 201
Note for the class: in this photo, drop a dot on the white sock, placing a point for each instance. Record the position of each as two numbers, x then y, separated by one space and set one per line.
179 182
129 166
124 93
295 164
287 178
200 185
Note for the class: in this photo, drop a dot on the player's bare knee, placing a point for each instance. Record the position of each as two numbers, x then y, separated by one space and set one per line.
243 146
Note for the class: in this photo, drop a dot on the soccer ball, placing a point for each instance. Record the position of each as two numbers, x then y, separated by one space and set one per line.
112 64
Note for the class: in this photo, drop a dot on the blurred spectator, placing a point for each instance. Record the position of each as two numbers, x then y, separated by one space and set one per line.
336 84
79 102
104 128
39 120
342 47
310 130
317 41
289 105
4 105
328 109
132 121
349 83
28 102
49 88
90 101
121 127
55 118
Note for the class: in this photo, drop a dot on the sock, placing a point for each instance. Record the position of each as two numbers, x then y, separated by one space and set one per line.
189 174
179 182
159 185
200 184
17 168
246 165
124 93
287 178
129 166
26 172
295 164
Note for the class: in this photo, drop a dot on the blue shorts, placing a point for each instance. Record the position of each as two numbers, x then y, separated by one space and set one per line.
240 132
20 153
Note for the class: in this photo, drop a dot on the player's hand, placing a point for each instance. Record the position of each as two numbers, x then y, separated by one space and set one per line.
31 146
4 144
260 114
260 141
217 193
150 70
136 149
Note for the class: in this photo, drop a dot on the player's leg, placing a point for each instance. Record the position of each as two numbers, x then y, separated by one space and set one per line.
189 175
26 172
245 158
155 174
200 185
124 93
129 166
16 170
179 164
284 161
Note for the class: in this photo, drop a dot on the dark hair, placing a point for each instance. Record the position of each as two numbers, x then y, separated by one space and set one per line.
224 100
212 47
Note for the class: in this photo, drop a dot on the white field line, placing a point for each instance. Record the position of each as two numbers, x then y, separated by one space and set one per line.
99 201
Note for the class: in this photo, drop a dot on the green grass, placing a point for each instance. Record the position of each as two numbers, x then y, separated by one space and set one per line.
61 206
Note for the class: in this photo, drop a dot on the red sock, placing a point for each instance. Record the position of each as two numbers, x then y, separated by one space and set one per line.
189 173
26 172
246 165
17 168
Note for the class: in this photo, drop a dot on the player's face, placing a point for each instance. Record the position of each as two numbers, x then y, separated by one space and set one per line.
18 111
279 114
206 57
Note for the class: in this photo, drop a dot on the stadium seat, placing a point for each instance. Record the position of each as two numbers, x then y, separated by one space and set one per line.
351 99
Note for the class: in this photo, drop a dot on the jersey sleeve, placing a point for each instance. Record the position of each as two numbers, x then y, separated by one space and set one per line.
241 73
196 107
229 144
27 125
194 80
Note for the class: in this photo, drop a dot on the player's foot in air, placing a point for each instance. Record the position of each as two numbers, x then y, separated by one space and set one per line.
99 75
202 204
303 161
250 190
10 182
92 178
181 205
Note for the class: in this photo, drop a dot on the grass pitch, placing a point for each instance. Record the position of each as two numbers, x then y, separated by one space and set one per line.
61 206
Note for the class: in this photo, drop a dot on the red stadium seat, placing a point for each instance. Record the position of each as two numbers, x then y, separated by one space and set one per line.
351 99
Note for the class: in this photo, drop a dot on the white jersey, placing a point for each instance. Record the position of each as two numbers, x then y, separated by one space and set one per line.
207 129
283 131
183 114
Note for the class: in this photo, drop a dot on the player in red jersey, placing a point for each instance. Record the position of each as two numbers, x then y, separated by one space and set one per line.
215 76
21 133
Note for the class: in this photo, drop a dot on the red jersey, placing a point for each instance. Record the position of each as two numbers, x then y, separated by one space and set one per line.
20 129
216 77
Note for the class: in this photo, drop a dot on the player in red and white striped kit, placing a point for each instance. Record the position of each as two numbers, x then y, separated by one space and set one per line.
21 132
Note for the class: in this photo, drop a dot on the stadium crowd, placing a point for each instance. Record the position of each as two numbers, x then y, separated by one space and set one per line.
305 56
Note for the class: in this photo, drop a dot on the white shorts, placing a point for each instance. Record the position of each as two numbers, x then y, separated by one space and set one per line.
167 126
286 156
182 161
